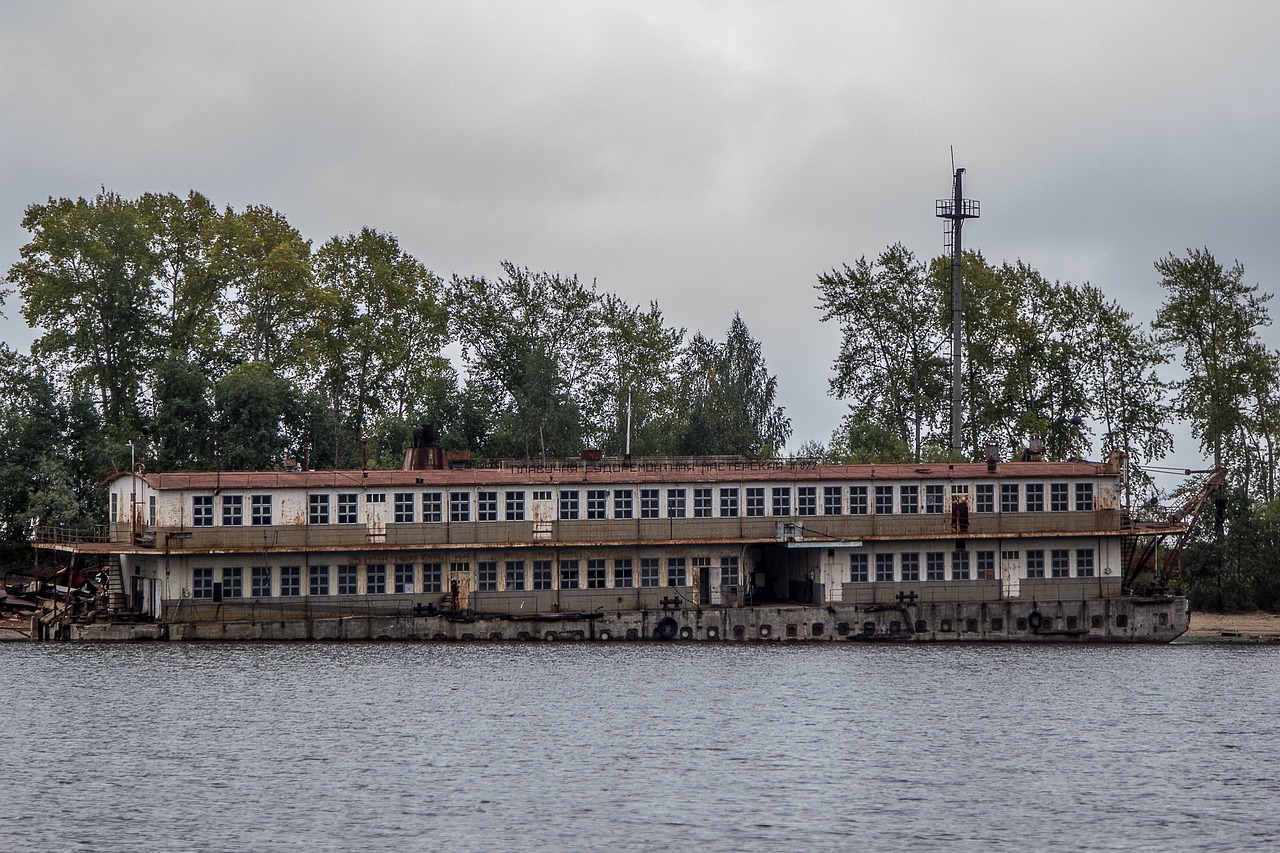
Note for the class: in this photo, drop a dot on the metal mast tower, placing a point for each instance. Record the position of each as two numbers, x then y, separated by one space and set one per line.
956 210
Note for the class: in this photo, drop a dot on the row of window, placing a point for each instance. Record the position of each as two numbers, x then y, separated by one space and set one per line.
647 503
490 576
966 565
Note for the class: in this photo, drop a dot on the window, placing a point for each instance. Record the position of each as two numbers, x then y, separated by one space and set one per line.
260 581
782 501
568 574
755 502
515 575
1009 494
233 510
858 568
542 574
985 497
884 568
486 506
457 569
623 503
597 503
832 500
1058 497
1060 563
701 503
202 583
857 500
675 503
487 576
1035 497
596 574
459 506
909 500
543 495
1084 563
884 500
433 577
675 572
729 571
649 503
650 571
348 509
115 507
291 580
568 506
935 566
375 498
318 580
432 507
933 499
260 512
959 565
201 511
515 506
375 579
729 503
1009 555
1035 563
402 578
911 567
233 582
806 500
317 509
1084 497
404 508
623 574
151 511
348 580
985 565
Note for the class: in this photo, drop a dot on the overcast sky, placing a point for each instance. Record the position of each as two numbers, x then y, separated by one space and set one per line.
715 157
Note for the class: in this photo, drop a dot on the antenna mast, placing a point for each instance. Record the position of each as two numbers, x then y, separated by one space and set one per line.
956 210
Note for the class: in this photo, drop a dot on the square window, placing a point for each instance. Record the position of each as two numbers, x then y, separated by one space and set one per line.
291 580
433 577
806 500
202 511
318 580
568 574
858 568
486 506
1035 497
432 507
676 572
649 503
701 503
568 506
514 506
317 509
459 506
232 510
675 503
402 578
260 581
623 506
755 502
597 504
404 508
650 572
348 509
832 500
782 501
623 574
375 579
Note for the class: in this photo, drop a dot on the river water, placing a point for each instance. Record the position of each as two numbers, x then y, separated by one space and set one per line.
631 746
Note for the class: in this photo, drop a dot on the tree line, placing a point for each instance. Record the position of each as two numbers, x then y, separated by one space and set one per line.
187 336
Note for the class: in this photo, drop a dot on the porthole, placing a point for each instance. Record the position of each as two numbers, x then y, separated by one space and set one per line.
817 629
1021 623
842 628
1164 618
868 628
997 624
792 631
1073 623
686 633
971 626
713 633
766 631
1122 621
739 631
895 627
945 626
921 626
1047 624
1095 621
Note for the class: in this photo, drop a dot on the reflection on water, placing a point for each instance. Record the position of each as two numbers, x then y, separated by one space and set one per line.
641 747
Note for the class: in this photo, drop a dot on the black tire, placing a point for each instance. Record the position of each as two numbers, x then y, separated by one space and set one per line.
666 629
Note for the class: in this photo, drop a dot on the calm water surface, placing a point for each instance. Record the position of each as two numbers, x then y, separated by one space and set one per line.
640 747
